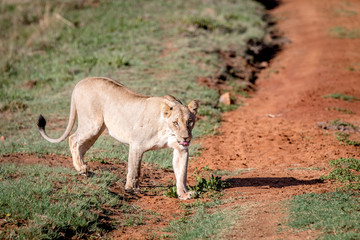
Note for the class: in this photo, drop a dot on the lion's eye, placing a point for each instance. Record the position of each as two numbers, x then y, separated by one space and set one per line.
190 123
176 124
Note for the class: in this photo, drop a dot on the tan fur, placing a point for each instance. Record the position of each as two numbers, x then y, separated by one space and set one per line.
145 123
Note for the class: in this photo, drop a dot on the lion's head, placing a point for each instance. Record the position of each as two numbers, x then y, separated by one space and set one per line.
180 118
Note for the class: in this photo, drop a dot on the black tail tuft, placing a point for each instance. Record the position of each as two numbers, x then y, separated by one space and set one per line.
41 122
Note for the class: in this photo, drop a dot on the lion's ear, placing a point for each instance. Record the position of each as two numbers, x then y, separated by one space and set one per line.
193 106
166 108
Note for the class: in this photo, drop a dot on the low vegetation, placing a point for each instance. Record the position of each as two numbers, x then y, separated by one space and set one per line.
343 124
342 32
337 214
209 187
345 171
202 221
203 187
344 9
41 202
344 139
342 110
354 67
342 96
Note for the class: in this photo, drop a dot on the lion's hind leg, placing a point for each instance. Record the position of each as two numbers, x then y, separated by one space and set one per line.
80 142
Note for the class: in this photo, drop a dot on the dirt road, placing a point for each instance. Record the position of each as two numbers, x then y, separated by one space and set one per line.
276 134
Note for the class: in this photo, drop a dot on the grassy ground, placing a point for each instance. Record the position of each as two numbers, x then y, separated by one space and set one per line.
153 47
205 222
336 215
40 202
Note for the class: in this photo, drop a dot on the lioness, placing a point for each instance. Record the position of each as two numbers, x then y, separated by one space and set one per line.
144 122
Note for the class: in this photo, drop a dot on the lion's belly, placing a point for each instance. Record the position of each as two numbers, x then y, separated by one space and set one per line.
119 129
123 138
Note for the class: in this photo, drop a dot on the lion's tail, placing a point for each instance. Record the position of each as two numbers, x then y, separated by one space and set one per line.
42 123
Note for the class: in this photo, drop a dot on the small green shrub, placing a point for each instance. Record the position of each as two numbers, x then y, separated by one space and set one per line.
342 32
205 23
171 192
347 171
354 67
339 123
342 96
342 12
343 110
214 184
344 138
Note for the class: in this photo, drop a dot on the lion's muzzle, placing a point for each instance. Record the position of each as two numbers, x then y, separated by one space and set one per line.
184 143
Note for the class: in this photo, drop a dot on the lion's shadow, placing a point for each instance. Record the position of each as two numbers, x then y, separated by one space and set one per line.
273 182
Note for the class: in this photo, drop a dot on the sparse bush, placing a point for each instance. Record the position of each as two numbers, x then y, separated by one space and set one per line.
339 123
342 32
343 110
214 184
344 138
347 171
171 192
342 96
203 186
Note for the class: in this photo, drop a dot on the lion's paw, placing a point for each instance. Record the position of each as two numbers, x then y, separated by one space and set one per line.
188 195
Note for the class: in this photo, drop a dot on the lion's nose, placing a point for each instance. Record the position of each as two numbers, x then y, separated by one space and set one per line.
187 139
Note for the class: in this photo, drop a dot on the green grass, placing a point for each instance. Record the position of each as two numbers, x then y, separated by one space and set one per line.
41 202
202 222
336 215
345 171
342 110
47 47
345 10
339 123
342 32
210 186
342 96
354 67
202 188
344 139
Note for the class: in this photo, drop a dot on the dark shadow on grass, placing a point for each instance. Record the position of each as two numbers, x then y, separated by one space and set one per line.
274 182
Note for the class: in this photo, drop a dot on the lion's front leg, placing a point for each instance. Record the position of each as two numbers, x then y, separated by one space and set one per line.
134 166
180 163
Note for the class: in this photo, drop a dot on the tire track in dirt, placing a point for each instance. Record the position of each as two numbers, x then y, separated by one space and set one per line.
275 135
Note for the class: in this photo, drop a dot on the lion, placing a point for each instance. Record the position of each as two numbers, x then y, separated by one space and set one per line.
143 122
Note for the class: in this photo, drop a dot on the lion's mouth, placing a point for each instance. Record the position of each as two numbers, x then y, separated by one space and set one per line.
184 143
